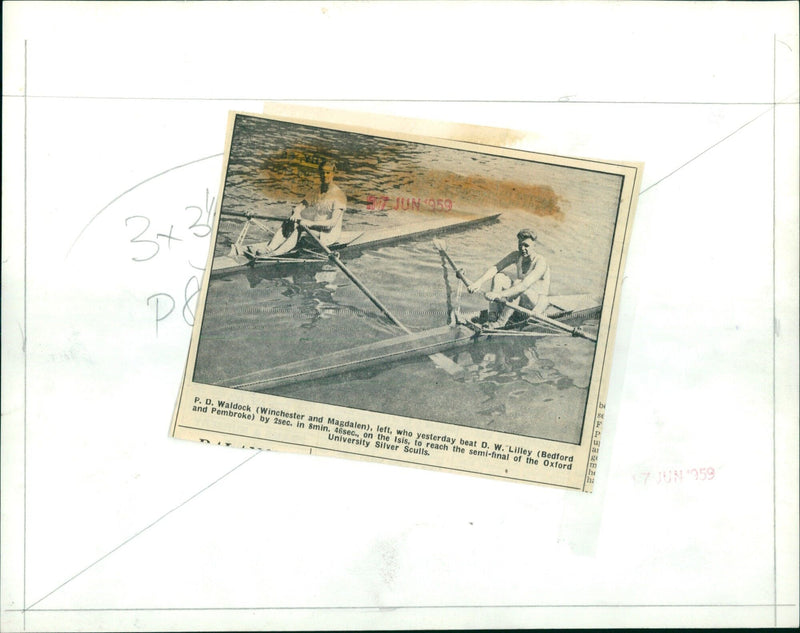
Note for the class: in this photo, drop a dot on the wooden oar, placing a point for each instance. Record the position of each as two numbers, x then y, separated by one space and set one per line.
440 360
237 214
442 248
548 321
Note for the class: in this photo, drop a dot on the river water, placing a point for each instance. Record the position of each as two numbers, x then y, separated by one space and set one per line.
259 318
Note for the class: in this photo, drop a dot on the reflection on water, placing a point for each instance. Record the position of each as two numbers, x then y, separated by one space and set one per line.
508 362
269 316
508 385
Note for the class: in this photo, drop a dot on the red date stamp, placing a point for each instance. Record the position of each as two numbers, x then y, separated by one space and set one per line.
385 203
675 476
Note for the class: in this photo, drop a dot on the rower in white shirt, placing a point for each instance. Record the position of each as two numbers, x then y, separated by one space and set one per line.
529 287
321 211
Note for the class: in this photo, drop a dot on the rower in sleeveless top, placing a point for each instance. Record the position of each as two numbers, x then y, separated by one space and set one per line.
320 211
529 289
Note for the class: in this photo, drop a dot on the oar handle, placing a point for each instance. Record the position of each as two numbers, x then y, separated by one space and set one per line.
238 214
457 270
536 317
335 259
441 248
556 324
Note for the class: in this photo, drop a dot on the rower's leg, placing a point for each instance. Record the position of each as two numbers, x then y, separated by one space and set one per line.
283 241
499 314
329 237
536 301
505 315
538 295
541 304
281 245
274 243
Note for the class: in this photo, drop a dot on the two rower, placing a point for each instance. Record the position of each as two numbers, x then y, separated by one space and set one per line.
529 288
320 211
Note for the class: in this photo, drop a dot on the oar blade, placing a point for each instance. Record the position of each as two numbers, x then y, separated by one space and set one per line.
446 364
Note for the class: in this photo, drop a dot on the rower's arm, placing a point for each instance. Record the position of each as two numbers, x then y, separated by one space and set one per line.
327 224
337 213
493 270
298 209
521 285
490 272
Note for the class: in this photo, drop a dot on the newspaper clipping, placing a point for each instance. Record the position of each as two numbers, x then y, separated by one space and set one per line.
409 299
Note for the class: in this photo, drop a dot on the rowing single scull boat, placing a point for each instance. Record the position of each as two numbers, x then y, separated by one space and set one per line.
351 242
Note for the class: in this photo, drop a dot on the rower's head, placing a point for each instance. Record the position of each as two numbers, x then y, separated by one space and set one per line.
525 241
326 170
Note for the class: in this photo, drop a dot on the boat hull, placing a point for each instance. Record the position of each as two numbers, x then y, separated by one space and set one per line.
398 348
229 264
360 357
